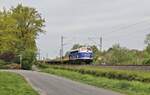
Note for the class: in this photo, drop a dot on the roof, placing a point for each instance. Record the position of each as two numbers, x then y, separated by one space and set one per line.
82 49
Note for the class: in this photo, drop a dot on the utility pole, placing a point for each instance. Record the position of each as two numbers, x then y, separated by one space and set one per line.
61 50
100 44
20 60
60 54
39 54
46 56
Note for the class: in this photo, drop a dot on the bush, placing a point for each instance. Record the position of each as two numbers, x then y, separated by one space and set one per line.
28 59
26 65
43 66
12 66
109 73
2 62
7 56
146 61
7 65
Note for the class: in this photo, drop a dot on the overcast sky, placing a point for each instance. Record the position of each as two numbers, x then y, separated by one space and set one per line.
118 21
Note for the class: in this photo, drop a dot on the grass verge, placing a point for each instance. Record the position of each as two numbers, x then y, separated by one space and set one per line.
105 72
123 86
14 84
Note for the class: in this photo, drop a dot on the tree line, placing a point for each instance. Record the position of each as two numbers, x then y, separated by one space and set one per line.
121 55
19 29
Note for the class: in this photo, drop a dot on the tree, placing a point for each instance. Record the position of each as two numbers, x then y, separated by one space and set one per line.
147 40
117 55
96 54
94 49
29 25
76 46
8 32
19 28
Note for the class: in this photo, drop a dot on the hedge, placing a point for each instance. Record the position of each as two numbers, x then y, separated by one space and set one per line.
109 73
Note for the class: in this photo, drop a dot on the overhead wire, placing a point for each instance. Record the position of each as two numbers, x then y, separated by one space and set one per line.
125 27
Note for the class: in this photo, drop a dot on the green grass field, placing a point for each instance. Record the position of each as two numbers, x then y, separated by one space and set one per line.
14 84
141 76
123 86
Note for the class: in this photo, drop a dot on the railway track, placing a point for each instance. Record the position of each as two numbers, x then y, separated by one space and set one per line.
120 67
128 67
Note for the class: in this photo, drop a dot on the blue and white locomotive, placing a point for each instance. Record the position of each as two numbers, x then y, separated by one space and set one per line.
81 55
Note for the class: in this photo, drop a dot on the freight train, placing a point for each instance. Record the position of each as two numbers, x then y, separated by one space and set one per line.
83 55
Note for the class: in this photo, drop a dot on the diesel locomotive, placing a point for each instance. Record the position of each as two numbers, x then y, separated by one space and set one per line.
80 55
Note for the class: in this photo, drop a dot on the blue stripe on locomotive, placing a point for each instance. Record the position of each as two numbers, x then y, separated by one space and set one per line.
80 55
85 55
